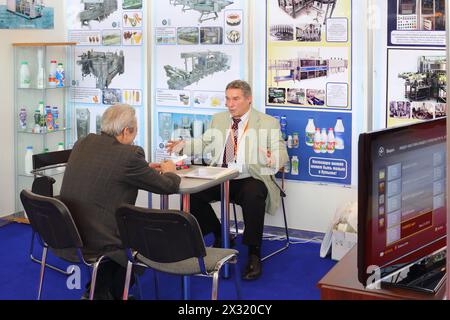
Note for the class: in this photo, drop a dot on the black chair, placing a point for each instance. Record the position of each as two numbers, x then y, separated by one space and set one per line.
171 242
52 222
286 229
43 185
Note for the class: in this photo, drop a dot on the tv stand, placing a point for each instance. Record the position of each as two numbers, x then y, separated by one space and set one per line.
341 283
425 275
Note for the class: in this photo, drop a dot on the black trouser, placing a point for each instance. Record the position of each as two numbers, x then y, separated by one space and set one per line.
249 193
110 281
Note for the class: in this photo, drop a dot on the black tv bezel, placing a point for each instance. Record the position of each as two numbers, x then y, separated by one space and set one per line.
365 178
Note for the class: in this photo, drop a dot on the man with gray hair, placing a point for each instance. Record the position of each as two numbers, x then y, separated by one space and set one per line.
104 172
250 141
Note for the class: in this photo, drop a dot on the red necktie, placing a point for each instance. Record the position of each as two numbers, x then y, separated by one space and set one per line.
229 155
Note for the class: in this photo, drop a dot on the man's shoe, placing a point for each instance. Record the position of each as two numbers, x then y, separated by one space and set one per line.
253 268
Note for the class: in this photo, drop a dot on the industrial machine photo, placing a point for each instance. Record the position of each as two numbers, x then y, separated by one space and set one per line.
323 8
104 66
209 9
97 10
29 9
301 69
202 64
430 82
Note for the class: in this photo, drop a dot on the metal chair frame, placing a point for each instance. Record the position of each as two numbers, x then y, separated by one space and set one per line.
286 229
30 196
41 163
133 260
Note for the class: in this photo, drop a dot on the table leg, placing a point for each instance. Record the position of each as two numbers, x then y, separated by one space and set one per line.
185 199
164 202
225 218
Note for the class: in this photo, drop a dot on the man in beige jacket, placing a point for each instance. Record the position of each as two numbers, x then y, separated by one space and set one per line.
250 141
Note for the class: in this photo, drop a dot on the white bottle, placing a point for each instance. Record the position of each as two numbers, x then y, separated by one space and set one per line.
331 141
290 142
24 76
294 166
324 144
29 160
52 74
339 134
317 141
310 132
60 148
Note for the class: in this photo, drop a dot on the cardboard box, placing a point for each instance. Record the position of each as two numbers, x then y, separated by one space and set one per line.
341 243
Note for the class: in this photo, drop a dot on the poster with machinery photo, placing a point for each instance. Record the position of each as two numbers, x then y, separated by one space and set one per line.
198 47
416 23
26 14
309 54
108 57
417 85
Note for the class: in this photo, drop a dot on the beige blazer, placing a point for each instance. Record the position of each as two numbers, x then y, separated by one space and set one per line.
263 133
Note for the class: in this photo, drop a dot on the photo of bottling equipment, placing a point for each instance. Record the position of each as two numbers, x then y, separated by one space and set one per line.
198 65
296 96
104 66
400 109
321 10
29 9
111 96
421 15
83 120
309 32
97 10
429 82
302 69
187 35
211 35
282 32
208 9
277 95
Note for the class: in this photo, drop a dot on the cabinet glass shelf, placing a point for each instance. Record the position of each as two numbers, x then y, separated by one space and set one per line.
37 95
29 131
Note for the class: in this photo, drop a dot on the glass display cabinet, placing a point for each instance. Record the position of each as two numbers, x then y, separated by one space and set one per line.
43 106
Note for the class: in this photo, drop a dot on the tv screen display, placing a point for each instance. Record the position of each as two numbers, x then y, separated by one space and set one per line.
402 200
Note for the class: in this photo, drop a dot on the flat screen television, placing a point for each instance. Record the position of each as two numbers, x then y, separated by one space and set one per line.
402 206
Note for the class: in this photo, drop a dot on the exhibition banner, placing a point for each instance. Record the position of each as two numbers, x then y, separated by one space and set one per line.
198 48
108 60
309 86
26 14
416 75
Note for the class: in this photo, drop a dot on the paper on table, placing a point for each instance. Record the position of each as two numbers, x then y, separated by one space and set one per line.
208 172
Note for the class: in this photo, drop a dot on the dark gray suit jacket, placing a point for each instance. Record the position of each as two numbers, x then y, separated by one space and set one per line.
101 175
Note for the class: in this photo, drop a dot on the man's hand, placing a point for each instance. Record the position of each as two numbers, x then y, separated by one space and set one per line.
175 146
168 166
267 155
156 166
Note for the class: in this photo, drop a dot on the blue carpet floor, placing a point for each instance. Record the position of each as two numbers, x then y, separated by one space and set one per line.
291 275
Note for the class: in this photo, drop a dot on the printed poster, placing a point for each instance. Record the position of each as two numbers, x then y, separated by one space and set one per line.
416 23
416 75
108 60
309 87
26 14
198 49
417 87
309 54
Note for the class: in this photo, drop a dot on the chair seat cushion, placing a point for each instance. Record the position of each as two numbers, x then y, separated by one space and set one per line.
190 266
